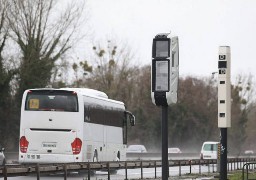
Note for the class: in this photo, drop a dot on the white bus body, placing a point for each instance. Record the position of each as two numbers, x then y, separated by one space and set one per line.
72 125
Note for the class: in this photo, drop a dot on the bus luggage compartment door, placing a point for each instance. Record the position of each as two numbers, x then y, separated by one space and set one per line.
50 141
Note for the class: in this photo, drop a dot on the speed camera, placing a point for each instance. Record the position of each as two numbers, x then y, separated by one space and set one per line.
164 69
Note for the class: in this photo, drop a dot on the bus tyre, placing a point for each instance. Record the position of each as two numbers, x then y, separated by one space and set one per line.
114 171
95 156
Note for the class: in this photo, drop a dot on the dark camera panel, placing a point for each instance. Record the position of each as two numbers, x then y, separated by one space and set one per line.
222 114
161 48
222 101
222 64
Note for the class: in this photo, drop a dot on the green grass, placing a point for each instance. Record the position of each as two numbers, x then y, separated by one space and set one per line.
239 176
235 175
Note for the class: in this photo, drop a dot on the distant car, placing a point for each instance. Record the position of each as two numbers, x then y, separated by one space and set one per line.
248 152
2 157
174 150
209 150
136 149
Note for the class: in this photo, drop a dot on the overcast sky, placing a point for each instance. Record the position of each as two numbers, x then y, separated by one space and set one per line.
201 25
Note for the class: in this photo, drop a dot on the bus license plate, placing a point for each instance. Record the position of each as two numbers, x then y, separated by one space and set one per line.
49 144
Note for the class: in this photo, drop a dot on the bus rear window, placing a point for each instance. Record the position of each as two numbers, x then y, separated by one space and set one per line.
49 100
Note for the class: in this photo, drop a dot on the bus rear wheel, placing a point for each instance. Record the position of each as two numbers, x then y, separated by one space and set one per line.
95 156
118 156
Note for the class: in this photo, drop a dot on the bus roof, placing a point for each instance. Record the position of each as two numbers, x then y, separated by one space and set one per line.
93 93
87 91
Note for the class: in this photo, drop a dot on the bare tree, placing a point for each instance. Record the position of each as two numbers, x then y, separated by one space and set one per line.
3 29
3 74
6 75
242 103
43 36
113 71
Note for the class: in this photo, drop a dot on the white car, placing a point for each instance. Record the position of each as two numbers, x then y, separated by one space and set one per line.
174 150
209 150
2 157
248 152
136 149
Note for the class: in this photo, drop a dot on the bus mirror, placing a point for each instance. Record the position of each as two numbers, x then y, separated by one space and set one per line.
130 117
132 120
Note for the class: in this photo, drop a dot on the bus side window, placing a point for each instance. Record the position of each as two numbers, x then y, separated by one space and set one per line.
86 113
125 129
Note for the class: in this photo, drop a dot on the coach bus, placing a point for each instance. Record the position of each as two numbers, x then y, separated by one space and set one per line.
72 125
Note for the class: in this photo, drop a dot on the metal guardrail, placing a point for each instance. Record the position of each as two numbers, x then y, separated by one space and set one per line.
13 156
157 156
22 170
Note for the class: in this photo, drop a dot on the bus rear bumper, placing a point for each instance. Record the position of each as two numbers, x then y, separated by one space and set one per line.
48 158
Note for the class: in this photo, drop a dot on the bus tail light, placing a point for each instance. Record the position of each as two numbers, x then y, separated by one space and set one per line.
23 144
76 146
